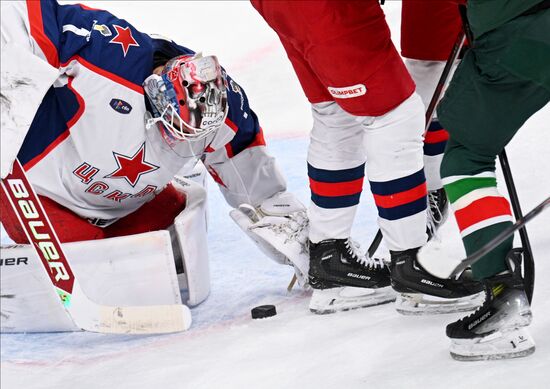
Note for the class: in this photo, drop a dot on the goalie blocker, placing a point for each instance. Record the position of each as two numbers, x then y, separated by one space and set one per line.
145 263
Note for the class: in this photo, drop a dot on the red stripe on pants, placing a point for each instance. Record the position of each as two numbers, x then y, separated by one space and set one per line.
397 199
335 189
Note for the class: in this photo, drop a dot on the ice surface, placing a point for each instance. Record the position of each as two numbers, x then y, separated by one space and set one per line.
369 348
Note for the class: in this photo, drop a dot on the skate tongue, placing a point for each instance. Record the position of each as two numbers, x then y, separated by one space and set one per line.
436 261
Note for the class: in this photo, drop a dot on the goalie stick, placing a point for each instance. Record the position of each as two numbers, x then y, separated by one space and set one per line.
489 246
86 314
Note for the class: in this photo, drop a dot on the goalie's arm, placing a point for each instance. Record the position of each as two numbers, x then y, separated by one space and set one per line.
244 170
29 68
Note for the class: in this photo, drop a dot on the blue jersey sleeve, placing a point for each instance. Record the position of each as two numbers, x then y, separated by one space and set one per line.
242 120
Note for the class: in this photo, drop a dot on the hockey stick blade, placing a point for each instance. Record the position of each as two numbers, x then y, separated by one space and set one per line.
493 243
85 313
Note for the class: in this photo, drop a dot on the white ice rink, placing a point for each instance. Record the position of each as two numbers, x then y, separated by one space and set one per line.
225 348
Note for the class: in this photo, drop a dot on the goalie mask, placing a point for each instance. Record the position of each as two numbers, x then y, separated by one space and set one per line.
189 97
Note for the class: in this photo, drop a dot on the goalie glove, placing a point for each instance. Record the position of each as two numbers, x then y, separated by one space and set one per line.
279 227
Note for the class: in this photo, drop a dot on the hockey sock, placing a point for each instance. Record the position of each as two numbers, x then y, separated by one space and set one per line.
481 213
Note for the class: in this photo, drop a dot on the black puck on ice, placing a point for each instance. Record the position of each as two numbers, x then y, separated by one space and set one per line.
263 311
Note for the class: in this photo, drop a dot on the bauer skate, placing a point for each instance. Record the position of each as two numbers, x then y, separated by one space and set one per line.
342 278
420 293
497 329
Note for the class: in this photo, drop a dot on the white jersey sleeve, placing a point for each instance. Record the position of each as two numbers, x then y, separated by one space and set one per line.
242 167
26 76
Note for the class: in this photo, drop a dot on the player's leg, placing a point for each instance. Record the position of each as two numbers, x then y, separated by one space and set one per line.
394 168
492 94
336 169
321 43
386 85
428 32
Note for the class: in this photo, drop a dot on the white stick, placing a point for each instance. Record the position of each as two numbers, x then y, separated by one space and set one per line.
85 313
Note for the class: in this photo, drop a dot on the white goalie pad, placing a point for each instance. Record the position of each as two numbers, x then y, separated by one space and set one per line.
129 270
189 234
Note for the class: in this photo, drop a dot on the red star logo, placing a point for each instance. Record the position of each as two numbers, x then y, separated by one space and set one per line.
132 168
124 38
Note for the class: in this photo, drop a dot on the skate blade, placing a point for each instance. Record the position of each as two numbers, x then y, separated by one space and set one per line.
516 343
422 304
325 301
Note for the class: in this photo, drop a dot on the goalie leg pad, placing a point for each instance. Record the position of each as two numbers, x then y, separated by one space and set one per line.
189 238
129 270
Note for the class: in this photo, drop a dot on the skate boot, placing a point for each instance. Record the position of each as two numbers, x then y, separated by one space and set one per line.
497 329
420 293
438 210
343 278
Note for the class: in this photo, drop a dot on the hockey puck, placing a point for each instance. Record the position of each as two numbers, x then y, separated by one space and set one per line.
263 311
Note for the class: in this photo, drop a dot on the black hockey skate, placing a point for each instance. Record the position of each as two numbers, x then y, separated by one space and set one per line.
438 210
497 329
420 293
343 278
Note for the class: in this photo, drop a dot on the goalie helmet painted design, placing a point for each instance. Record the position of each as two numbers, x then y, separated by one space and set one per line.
189 97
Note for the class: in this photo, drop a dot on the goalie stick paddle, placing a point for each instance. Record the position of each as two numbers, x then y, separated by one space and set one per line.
489 246
86 314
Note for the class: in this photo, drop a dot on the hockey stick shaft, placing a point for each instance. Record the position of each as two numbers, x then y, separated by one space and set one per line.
85 313
489 246
429 113
528 260
443 79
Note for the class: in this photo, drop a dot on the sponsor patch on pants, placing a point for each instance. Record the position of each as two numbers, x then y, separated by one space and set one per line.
348 92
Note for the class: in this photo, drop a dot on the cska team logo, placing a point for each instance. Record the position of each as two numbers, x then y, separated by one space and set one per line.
132 168
124 38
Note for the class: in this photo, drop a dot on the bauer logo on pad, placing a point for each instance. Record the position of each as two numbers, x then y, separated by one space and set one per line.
348 92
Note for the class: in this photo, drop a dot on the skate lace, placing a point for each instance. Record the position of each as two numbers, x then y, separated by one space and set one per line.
435 216
354 249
